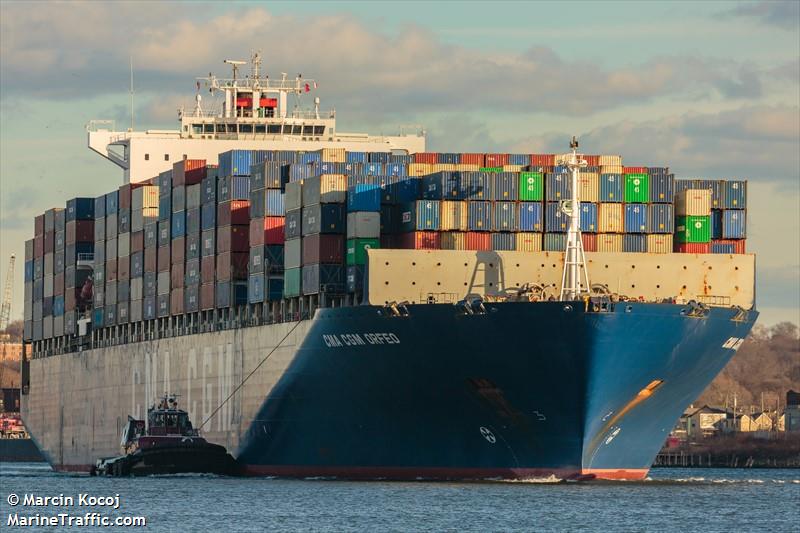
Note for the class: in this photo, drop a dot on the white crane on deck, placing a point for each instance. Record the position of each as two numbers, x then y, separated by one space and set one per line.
575 279
5 307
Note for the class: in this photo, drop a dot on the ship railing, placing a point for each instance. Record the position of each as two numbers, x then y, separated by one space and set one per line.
295 113
714 300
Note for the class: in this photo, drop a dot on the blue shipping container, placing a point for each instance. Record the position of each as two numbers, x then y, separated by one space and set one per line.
449 159
660 218
28 271
505 217
299 172
476 185
445 185
588 217
273 203
635 218
530 216
208 216
610 188
722 247
505 186
100 207
734 194
58 305
80 209
112 202
422 215
235 163
164 208
97 317
356 157
519 159
716 191
178 228
310 157
379 157
255 288
479 216
399 168
504 241
555 220
364 197
390 219
402 159
557 187
634 243
373 169
728 224
662 188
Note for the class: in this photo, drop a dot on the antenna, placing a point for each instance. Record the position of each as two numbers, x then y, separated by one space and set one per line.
235 63
131 58
575 279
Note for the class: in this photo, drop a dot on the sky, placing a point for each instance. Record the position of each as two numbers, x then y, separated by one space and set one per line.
710 89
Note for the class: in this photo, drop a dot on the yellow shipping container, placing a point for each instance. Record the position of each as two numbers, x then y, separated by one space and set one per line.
467 167
611 160
420 169
610 219
659 244
442 167
144 197
453 216
452 240
589 186
512 168
334 155
529 242
693 202
610 169
608 242
332 182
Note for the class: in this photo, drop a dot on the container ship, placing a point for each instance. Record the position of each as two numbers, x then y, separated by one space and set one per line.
353 306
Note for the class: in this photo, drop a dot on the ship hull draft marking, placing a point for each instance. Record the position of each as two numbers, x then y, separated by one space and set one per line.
402 411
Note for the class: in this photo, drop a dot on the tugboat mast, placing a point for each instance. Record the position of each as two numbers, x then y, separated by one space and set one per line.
575 279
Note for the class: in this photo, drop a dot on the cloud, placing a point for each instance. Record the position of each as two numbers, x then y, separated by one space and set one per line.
780 13
360 68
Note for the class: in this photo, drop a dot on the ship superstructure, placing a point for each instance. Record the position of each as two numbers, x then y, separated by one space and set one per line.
365 309
253 112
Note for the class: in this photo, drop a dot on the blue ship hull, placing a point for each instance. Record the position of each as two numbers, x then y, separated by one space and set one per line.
522 390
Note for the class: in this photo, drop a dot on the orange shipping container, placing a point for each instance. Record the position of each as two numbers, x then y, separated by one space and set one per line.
589 186
610 219
334 155
453 216
430 158
607 242
529 242
419 169
473 159
478 240
589 242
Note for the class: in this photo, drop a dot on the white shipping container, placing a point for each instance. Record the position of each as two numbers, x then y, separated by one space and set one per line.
193 196
163 283
58 326
363 225
659 243
48 285
512 168
610 220
136 288
610 169
293 197
419 169
693 202
124 245
467 167
611 160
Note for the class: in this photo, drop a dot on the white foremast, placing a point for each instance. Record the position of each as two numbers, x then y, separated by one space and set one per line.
255 114
575 279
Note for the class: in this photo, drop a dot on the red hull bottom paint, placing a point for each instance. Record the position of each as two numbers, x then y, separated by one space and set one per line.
432 474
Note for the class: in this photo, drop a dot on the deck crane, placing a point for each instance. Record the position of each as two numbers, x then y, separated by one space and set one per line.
5 307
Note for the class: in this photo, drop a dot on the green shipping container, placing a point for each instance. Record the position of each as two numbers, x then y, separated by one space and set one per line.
491 169
637 188
693 229
530 186
291 282
357 250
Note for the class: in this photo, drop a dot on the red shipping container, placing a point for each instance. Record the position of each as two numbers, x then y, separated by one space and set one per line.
320 248
233 239
496 160
49 241
589 242
163 258
176 301
257 231
58 284
232 265
111 270
430 158
420 240
79 231
137 241
188 172
634 170
273 230
124 196
124 268
233 212
151 259
739 244
693 248
69 300
543 160
38 225
592 160
473 159
207 296
178 250
177 275
208 269
478 240
38 247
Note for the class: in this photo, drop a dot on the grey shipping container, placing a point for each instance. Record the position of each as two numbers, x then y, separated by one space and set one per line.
151 283
293 197
293 253
329 279
363 225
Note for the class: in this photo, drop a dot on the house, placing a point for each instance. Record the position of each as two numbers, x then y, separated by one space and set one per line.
707 421
755 422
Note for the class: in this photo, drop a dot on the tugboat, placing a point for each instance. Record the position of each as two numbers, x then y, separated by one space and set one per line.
165 444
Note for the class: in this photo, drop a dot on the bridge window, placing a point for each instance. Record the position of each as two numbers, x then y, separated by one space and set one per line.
308 130
319 130
147 157
208 128
220 128
297 130
197 128
274 129
230 128
245 128
166 157
261 128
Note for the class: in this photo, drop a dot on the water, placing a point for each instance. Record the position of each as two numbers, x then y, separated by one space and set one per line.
672 499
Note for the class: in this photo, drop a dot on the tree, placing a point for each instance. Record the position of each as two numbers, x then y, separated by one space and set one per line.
14 330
